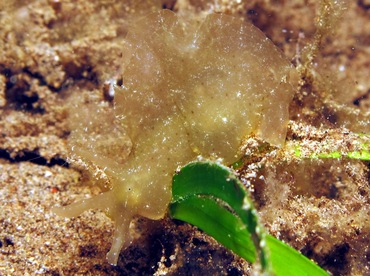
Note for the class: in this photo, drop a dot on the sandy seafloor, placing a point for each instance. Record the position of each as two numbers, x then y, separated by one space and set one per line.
51 49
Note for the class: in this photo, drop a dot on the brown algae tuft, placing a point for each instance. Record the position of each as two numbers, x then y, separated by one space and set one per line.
188 89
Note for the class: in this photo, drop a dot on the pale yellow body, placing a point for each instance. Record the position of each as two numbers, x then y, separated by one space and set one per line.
189 89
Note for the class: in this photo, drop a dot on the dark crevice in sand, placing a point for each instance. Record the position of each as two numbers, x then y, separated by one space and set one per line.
42 80
33 157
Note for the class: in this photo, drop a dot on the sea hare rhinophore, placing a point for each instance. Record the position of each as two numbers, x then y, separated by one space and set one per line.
189 89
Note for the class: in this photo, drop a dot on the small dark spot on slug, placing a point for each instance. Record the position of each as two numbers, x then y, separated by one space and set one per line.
361 98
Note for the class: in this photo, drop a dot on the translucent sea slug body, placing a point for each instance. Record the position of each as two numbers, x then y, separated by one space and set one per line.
188 89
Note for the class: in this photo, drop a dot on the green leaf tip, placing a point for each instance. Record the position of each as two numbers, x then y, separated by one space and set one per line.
323 150
210 196
360 155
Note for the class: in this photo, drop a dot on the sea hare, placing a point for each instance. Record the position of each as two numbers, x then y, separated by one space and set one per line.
189 88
